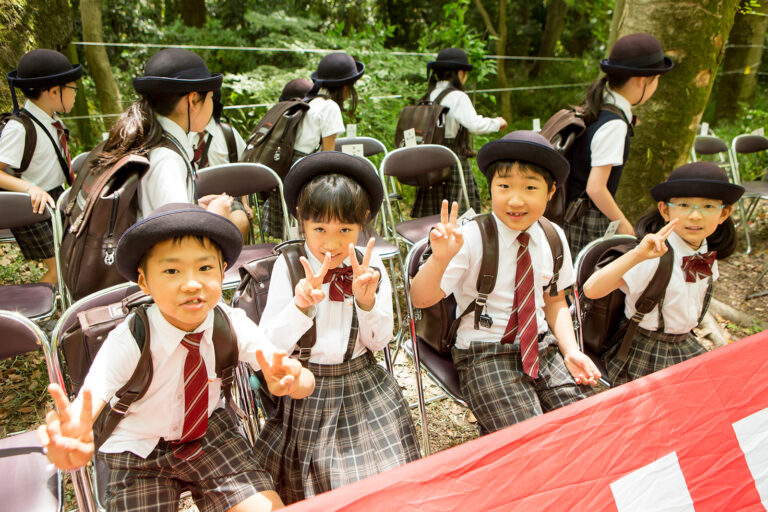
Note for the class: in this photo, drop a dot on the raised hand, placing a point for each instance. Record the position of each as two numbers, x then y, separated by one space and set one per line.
281 374
444 238
652 245
309 290
365 279
581 368
67 436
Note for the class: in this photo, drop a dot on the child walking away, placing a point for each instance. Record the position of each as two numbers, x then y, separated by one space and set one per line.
693 218
631 76
296 89
34 157
334 84
357 423
177 435
447 75
521 358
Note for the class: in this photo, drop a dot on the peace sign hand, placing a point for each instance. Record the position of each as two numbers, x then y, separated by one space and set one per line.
281 373
309 290
445 239
652 245
67 436
365 279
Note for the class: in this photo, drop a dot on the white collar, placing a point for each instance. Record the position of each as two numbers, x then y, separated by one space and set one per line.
442 84
614 98
166 337
170 127
508 236
683 249
39 113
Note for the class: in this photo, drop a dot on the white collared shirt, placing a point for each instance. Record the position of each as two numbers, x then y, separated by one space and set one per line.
44 168
460 278
323 119
284 323
462 112
168 179
218 152
607 147
160 413
682 301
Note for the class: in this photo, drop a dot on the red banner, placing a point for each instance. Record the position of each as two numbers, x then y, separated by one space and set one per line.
691 437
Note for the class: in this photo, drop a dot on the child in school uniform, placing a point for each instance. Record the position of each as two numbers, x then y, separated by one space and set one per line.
48 81
333 86
178 435
447 75
356 424
693 217
631 77
525 361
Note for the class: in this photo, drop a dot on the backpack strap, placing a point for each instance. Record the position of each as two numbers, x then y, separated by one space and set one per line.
170 142
62 161
556 246
30 140
650 298
292 251
204 154
227 355
610 107
229 137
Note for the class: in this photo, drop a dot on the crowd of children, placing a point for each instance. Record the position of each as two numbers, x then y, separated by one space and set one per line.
340 416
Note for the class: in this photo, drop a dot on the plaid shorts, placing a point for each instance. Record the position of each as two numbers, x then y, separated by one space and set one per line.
500 394
36 240
226 474
237 205
591 226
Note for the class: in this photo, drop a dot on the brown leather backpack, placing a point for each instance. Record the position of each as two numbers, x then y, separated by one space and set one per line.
30 137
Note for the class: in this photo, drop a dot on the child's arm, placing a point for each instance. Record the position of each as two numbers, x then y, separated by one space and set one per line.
445 241
558 317
37 196
286 376
597 190
610 277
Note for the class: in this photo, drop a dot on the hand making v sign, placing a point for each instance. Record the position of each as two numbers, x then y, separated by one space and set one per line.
365 280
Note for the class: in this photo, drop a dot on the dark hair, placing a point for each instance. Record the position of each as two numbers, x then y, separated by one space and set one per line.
723 240
334 196
32 93
337 94
440 75
218 107
503 168
593 101
204 241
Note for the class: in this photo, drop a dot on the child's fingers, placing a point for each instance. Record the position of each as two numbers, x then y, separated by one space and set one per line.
287 381
316 296
307 268
458 237
61 401
368 252
668 229
353 259
324 268
444 212
86 411
43 437
262 361
53 425
454 214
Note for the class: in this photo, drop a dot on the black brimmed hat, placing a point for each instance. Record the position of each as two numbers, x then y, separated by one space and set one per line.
175 220
698 179
42 69
176 71
638 54
333 162
524 146
296 88
451 58
337 69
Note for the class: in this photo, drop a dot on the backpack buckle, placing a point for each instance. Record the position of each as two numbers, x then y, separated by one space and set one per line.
304 353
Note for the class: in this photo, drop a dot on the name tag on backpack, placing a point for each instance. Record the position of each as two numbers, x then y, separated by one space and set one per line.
409 136
353 149
352 131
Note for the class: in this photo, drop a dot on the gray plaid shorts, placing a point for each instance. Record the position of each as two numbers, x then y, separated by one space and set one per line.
36 240
591 226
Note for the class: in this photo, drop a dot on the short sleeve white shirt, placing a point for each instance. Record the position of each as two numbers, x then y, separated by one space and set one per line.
218 152
462 113
607 146
323 119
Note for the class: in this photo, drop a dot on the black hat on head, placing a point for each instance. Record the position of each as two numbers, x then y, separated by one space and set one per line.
41 69
176 71
296 88
333 162
451 58
524 146
638 54
698 179
337 69
175 220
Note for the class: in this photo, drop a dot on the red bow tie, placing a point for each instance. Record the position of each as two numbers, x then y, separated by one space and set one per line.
698 266
341 283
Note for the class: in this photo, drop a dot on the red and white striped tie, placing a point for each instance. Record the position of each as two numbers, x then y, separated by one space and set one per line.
62 133
189 447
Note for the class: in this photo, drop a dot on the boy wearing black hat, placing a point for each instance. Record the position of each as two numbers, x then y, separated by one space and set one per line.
523 359
177 435
47 80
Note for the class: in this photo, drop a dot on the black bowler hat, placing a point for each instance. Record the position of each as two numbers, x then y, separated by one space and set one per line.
333 162
296 88
451 58
698 179
638 54
175 220
176 71
337 69
524 146
42 69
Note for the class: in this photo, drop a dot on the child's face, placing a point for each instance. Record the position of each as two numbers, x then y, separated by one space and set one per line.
184 279
332 236
699 217
201 110
520 197
62 97
647 88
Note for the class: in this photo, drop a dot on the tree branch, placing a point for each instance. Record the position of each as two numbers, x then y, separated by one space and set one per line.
486 18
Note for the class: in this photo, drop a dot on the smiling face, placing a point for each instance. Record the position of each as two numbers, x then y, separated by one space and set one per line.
183 276
331 236
698 217
519 196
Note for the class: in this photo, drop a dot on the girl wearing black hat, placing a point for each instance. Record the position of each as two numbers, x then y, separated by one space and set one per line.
333 84
631 76
356 423
693 218
446 77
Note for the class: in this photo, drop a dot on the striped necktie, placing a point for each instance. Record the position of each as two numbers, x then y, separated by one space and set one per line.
197 158
62 133
341 282
189 447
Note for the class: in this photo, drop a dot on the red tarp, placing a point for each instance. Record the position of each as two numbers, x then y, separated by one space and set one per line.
672 432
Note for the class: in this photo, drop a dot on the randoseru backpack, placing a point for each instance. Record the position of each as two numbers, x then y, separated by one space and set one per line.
30 137
437 324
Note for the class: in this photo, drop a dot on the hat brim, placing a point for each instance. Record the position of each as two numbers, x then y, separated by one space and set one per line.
38 82
338 82
524 151
165 85
333 162
183 221
614 69
728 193
450 64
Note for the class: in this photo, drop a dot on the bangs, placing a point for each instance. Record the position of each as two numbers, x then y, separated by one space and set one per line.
334 197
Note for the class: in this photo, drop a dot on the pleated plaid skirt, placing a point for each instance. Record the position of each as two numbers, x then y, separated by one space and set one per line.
355 424
429 200
591 226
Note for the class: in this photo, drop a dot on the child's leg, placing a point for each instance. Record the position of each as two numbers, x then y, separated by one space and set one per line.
263 502
555 384
50 276
239 217
132 487
36 243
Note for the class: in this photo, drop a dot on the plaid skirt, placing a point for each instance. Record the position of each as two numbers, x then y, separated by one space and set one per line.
648 355
591 226
429 200
36 240
353 426
226 474
500 394
272 210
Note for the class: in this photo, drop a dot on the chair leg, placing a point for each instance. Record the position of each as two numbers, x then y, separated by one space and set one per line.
745 224
420 391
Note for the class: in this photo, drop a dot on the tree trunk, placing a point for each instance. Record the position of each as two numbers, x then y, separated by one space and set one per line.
193 13
83 126
693 34
738 80
553 28
98 61
501 49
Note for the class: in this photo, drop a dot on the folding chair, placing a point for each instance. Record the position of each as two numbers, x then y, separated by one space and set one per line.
29 481
242 179
36 301
371 146
78 161
748 144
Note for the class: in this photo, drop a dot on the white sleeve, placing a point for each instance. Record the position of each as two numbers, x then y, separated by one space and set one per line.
12 144
567 274
239 143
607 146
466 115
114 364
376 325
331 122
637 278
460 263
165 182
249 337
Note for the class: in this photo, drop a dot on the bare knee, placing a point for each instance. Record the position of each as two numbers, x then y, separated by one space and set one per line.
264 501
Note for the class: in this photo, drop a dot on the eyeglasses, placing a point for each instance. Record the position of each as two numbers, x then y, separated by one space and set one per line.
706 210
70 87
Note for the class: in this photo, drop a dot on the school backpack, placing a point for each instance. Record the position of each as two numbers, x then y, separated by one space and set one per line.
30 136
271 142
437 324
82 341
229 138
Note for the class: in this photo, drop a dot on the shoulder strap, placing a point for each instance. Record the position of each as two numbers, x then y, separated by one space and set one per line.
610 107
170 142
229 137
556 247
30 140
443 94
227 355
292 251
62 161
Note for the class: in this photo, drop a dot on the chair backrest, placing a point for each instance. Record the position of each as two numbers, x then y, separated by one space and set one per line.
16 211
78 161
238 179
749 143
413 161
371 146
20 335
709 145
104 297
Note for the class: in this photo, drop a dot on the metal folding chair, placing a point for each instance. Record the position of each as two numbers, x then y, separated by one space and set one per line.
78 161
29 481
371 146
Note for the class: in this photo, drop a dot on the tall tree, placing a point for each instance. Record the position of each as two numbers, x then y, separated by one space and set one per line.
193 12
98 61
553 28
693 34
500 34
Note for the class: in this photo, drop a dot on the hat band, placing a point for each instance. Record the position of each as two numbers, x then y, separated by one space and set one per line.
192 73
640 61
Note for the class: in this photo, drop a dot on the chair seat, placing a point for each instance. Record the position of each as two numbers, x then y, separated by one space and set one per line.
30 482
33 300
416 229
249 252
6 235
755 188
439 367
381 246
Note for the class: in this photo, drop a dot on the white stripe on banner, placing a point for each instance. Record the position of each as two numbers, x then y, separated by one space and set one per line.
752 433
657 487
